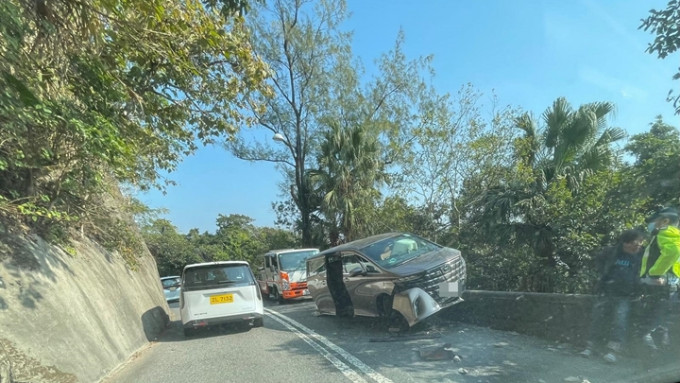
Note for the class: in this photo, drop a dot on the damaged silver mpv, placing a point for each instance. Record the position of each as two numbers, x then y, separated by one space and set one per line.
393 275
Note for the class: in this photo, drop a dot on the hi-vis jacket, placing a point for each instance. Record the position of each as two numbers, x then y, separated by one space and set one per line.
663 254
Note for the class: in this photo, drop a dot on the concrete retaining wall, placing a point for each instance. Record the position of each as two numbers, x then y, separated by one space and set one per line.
559 317
73 318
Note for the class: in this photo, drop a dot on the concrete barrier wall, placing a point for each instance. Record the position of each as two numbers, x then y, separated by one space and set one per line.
559 317
73 318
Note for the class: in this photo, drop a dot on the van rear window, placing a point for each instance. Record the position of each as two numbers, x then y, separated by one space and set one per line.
216 276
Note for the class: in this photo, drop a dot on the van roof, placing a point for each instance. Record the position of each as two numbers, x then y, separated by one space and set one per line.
283 251
216 264
363 242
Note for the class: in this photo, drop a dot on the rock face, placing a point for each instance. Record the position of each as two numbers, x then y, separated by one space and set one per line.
73 318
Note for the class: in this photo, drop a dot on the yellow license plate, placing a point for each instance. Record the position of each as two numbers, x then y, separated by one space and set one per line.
224 298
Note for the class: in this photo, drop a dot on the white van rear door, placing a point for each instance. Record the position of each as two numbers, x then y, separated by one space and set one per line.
216 291
222 302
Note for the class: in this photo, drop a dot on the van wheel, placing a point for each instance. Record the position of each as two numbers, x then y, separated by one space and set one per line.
188 332
258 322
397 323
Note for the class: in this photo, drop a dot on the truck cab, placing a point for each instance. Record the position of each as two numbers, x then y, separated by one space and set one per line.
283 274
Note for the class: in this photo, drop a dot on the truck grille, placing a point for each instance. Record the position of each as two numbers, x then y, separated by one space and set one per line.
298 285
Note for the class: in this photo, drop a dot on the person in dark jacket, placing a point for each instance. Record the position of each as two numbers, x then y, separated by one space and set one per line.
659 273
617 287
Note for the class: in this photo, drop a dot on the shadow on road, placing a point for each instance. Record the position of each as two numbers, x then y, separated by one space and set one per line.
154 321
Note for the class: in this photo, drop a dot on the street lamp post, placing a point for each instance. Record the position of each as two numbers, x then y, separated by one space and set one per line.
300 195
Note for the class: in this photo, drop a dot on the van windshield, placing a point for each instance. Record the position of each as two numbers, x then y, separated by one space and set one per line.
295 260
216 276
394 251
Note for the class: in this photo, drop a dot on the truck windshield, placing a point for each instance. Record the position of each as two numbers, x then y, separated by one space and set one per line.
295 260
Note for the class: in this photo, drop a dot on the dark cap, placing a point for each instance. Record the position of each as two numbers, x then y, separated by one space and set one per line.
667 212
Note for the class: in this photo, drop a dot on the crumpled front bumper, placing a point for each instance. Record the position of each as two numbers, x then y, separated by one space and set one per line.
415 304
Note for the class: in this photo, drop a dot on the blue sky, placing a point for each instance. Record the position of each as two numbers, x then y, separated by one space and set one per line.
527 52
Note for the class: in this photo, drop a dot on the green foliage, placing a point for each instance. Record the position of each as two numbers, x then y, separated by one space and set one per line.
302 43
94 93
665 25
655 175
552 199
318 92
350 173
171 250
452 141
234 239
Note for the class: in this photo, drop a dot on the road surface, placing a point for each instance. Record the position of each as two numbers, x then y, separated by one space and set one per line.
297 345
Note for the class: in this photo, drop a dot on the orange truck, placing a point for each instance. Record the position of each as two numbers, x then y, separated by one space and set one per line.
283 274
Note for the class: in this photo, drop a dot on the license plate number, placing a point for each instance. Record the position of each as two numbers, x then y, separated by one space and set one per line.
223 298
449 289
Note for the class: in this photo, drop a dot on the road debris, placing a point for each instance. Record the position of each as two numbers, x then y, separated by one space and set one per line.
437 353
501 344
405 338
578 379
462 371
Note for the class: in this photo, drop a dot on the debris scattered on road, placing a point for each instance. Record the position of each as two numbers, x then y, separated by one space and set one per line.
462 371
436 353
578 379
501 344
456 359
405 338
519 298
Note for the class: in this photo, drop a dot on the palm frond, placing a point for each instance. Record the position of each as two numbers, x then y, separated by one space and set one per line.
556 118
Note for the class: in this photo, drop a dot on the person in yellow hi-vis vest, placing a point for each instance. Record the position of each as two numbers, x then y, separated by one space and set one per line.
659 272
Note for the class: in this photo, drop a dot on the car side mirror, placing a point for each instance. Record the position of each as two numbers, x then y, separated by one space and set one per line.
357 271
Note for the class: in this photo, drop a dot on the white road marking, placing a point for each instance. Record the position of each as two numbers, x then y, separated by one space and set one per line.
344 368
342 352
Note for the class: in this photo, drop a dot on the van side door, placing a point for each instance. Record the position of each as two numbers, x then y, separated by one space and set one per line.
317 286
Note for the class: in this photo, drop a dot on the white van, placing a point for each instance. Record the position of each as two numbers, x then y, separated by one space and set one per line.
215 293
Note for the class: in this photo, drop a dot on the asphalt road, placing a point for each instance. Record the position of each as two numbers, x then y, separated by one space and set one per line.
296 345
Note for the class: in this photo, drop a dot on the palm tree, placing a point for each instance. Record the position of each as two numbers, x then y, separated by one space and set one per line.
349 173
572 145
